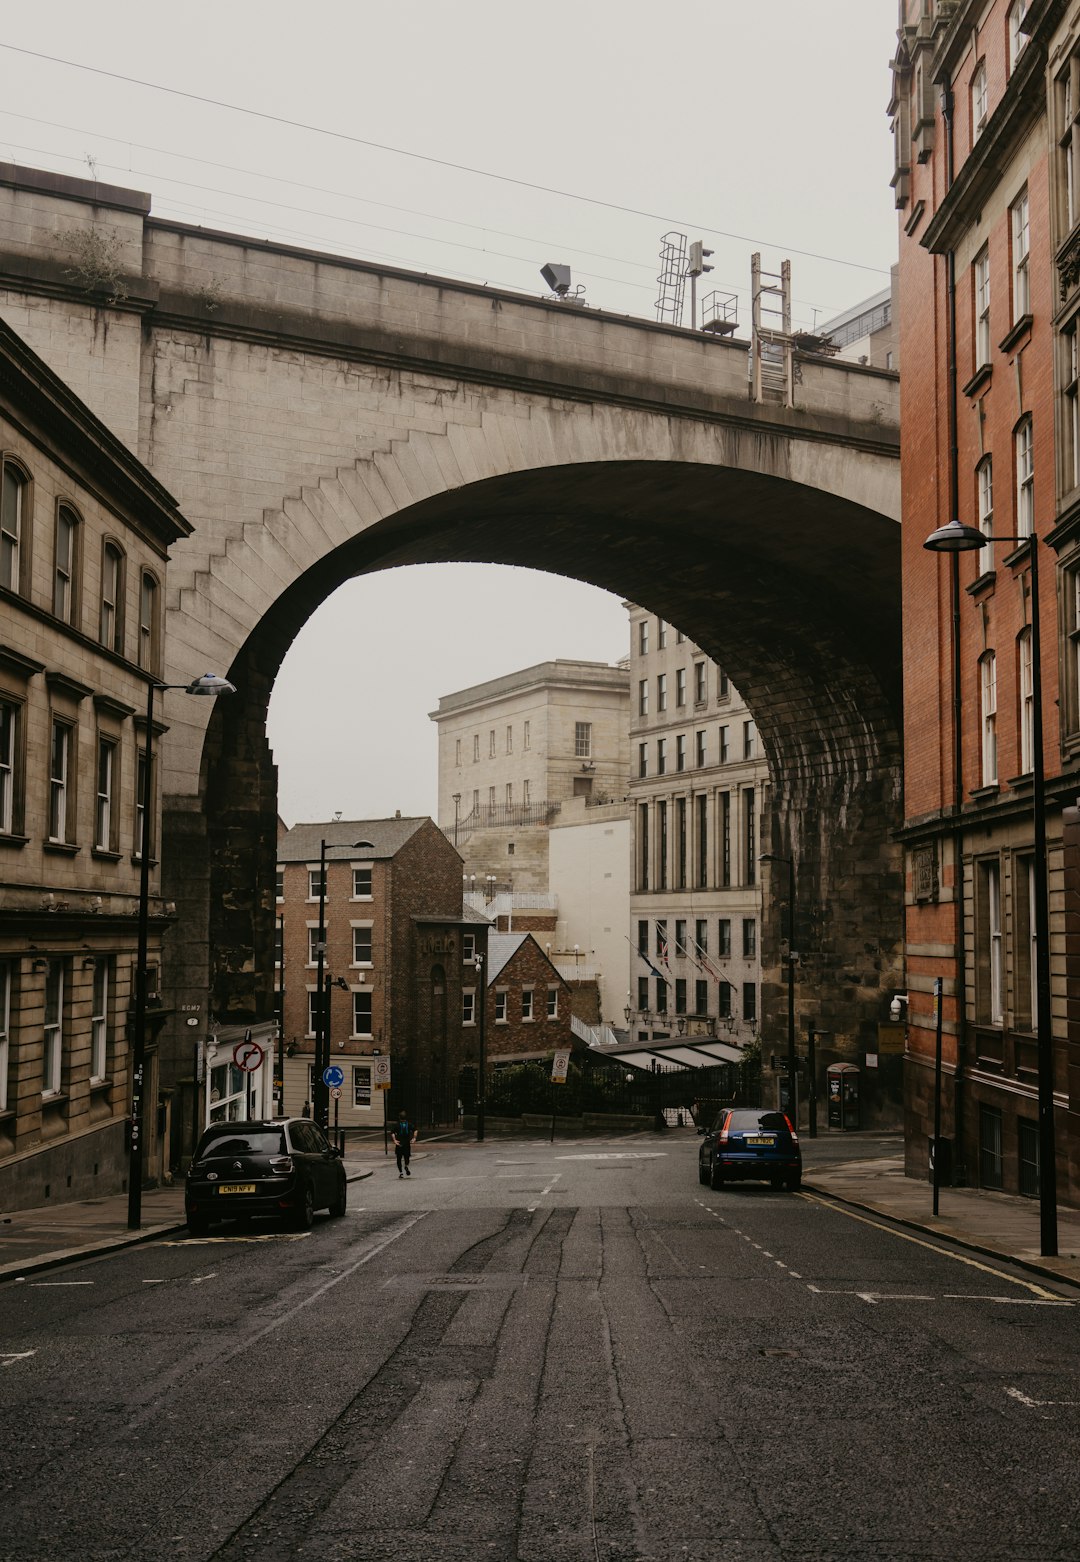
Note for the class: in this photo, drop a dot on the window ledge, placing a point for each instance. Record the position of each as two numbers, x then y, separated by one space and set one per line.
1016 335
1019 554
983 793
984 583
54 1098
14 840
97 1086
980 378
102 854
62 848
1021 783
136 861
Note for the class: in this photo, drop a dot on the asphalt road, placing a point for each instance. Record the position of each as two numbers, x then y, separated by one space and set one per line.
542 1353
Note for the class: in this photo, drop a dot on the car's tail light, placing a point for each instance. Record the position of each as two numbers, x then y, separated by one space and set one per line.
791 1129
281 1164
722 1136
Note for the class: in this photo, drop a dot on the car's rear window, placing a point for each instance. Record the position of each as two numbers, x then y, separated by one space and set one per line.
771 1122
261 1141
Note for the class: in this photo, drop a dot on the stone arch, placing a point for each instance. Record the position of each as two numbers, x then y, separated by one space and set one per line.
780 558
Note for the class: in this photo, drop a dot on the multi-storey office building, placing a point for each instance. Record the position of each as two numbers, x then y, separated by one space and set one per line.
513 749
398 964
985 111
698 791
84 536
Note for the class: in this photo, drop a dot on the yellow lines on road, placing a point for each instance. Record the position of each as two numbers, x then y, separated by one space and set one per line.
906 1236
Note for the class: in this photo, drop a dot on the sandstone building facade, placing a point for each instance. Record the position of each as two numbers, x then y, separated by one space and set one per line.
84 537
698 793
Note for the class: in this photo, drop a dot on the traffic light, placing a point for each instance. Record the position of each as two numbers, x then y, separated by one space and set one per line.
697 259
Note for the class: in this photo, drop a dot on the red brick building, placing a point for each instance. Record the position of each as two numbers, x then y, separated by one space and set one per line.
398 959
528 1010
985 106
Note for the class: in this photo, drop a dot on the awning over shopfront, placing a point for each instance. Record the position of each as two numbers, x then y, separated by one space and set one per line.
679 1052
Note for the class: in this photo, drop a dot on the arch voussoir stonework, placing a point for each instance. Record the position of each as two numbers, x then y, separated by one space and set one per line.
329 417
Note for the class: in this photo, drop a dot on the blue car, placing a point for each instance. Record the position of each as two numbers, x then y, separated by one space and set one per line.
750 1142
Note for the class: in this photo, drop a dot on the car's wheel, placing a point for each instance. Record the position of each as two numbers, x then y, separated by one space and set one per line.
338 1205
716 1178
198 1224
702 1174
794 1182
776 1182
304 1216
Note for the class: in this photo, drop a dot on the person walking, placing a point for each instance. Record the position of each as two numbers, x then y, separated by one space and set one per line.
404 1136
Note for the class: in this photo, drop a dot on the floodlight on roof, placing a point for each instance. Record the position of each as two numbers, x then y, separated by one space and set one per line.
557 278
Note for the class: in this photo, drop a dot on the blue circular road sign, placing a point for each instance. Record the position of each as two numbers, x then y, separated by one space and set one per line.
333 1076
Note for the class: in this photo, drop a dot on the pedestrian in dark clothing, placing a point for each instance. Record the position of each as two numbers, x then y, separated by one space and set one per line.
404 1136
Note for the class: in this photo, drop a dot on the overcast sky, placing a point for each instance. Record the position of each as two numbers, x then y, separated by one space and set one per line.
605 123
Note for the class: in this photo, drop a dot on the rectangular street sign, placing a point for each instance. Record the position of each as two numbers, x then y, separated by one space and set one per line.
560 1067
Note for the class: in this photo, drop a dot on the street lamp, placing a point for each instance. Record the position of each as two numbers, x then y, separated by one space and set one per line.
957 538
208 684
793 1101
457 814
478 961
320 1090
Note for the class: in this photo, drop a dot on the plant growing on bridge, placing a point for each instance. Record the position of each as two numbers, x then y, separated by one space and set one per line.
95 261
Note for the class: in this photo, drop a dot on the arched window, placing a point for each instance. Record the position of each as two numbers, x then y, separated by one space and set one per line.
111 629
14 516
64 561
148 622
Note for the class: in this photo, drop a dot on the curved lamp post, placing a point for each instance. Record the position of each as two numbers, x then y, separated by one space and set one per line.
957 538
208 684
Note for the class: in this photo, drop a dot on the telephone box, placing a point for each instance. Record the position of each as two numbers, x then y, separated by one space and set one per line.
842 1085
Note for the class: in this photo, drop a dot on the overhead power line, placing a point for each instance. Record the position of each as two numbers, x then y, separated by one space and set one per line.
424 157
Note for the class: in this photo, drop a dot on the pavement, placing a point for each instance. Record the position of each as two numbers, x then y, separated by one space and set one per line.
997 1225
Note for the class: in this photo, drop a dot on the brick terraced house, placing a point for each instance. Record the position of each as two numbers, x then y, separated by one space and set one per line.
398 961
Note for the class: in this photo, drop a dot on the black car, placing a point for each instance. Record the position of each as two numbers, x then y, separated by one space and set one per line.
284 1167
750 1142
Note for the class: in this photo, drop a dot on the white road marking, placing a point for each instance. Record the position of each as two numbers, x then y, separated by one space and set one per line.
153 1282
551 1184
41 1284
1011 1301
616 1155
1035 1404
269 1236
198 1279
873 1297
8 1356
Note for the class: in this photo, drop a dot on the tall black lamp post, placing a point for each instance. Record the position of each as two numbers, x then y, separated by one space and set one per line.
792 1061
481 1092
320 1090
208 684
957 538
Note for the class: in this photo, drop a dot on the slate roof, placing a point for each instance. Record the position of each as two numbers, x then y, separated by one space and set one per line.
381 838
501 949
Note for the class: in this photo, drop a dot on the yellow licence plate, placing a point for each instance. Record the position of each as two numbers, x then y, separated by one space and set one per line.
236 1187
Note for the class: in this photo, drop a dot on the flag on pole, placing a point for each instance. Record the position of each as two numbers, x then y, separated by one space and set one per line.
662 945
643 956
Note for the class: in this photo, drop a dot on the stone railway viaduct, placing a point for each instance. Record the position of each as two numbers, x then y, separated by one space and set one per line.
320 418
